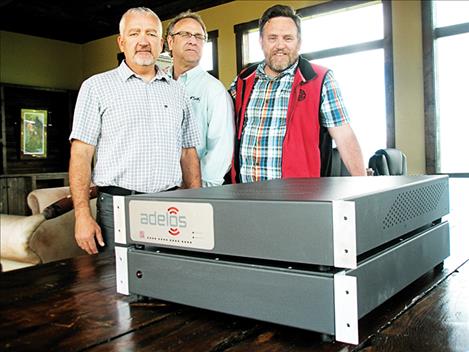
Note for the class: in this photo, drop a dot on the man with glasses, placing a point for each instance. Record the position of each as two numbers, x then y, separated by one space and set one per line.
213 107
287 109
141 125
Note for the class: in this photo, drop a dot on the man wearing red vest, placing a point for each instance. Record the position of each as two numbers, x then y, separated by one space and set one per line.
287 110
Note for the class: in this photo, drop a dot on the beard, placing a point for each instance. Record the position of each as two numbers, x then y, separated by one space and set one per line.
280 64
144 60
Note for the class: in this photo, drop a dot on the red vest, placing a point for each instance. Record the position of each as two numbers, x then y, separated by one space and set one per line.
301 149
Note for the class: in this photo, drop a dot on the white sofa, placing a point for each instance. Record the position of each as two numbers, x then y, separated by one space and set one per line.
33 239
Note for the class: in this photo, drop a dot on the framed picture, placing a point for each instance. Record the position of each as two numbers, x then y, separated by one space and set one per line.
33 133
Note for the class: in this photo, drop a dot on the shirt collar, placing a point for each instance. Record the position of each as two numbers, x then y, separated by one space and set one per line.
289 71
125 73
188 75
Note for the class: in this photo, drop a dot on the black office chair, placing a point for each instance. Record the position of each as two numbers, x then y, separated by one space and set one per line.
338 167
386 162
331 162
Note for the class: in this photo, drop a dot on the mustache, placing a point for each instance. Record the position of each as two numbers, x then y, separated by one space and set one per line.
280 51
143 50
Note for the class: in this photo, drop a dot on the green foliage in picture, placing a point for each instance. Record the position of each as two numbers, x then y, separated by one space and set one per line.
34 133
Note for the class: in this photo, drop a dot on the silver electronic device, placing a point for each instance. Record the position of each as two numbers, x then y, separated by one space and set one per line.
316 254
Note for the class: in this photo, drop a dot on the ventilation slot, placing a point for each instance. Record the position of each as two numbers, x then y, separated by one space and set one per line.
414 203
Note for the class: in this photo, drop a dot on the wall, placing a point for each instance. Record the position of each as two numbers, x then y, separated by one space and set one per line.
100 55
35 61
408 83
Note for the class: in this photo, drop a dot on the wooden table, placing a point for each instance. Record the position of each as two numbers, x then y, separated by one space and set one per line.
72 305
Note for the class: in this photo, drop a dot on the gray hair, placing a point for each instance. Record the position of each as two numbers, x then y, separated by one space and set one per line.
142 11
184 15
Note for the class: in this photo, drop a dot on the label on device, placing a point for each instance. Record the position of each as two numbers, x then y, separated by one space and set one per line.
176 224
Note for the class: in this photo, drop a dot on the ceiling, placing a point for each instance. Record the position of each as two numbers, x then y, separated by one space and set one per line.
80 21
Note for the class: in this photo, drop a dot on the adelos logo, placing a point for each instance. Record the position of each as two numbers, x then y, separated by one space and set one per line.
172 219
173 231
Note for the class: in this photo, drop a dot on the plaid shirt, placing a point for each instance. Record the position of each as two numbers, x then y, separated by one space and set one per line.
265 121
138 129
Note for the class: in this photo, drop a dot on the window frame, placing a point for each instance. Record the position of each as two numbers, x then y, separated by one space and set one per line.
429 36
385 43
212 36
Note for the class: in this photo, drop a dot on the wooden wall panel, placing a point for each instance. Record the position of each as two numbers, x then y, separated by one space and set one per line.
59 105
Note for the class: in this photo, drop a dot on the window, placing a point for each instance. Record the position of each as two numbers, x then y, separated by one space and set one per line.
209 60
446 43
207 57
353 38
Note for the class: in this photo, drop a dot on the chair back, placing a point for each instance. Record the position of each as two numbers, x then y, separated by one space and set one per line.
388 162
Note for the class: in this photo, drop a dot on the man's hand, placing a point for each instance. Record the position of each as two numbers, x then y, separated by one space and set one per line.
86 230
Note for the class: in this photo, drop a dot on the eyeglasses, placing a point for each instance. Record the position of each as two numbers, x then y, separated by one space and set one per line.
189 35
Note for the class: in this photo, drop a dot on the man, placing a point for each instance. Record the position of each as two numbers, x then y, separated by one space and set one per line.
139 122
211 102
284 105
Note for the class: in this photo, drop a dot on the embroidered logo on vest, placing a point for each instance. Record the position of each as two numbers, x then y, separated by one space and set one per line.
302 95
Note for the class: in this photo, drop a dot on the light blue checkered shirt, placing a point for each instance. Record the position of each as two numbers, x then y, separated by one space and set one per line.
138 129
265 122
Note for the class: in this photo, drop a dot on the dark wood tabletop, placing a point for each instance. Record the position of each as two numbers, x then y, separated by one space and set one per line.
72 305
